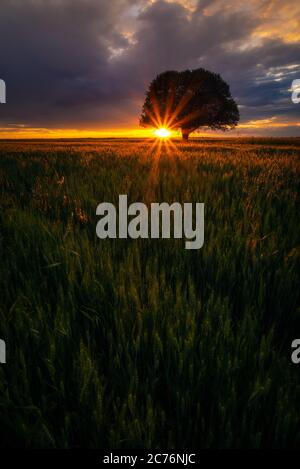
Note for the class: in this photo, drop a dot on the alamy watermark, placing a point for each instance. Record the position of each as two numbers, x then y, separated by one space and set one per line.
188 221
2 92
2 351
296 352
296 91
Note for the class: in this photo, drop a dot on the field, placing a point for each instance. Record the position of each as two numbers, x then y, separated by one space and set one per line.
142 343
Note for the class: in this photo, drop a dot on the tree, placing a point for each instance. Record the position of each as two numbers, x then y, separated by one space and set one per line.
188 100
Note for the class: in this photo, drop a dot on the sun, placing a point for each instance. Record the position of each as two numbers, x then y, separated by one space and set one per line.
162 132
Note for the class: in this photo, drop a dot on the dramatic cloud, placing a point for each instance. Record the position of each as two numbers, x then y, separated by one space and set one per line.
86 63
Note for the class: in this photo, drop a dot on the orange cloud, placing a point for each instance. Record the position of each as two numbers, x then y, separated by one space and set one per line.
267 123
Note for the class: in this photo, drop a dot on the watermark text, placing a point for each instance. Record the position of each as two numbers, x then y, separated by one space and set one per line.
296 352
2 92
2 351
296 91
188 221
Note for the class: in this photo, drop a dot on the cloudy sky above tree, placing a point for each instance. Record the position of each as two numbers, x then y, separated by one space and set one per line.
85 64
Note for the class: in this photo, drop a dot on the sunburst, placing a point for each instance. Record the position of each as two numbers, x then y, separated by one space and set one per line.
162 132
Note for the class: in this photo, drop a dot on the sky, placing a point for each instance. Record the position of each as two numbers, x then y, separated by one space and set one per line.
82 67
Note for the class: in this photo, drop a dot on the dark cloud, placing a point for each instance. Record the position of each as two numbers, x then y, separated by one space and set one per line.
86 63
55 58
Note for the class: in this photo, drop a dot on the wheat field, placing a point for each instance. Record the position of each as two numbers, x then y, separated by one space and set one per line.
140 343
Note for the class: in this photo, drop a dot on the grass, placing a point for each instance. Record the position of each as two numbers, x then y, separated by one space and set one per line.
141 343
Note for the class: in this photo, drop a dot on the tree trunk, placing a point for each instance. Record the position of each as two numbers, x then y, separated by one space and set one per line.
185 134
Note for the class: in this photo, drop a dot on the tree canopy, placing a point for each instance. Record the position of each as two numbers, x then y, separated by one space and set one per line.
188 100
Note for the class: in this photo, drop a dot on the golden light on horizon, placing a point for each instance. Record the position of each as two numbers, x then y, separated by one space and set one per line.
162 132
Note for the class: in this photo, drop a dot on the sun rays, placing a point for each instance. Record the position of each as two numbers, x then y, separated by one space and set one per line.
165 117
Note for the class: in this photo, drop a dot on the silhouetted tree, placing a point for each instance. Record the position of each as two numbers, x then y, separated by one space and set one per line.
188 100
